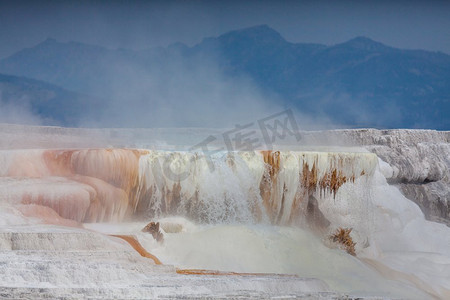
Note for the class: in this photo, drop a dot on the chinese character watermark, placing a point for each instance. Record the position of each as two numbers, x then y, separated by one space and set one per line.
245 137
279 126
273 129
241 138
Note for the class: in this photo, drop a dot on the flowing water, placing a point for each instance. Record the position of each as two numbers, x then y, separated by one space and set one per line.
248 212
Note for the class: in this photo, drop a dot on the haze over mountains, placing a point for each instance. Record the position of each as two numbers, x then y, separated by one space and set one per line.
234 78
30 101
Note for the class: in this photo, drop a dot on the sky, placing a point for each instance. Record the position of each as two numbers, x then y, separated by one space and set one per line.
145 24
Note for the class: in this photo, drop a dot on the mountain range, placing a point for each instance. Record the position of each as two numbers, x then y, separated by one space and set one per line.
49 103
358 83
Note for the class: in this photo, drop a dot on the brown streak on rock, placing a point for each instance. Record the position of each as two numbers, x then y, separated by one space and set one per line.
269 183
138 247
221 273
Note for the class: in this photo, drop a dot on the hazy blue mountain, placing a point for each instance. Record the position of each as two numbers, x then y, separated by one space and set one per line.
53 105
357 83
383 85
72 65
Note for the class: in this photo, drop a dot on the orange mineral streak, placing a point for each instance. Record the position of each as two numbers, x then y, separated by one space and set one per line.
141 250
220 273
273 194
144 253
312 180
138 247
331 181
309 177
59 162
112 173
110 187
272 159
108 204
343 239
118 167
268 185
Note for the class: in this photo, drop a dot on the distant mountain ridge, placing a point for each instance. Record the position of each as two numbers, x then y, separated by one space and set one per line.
52 104
360 82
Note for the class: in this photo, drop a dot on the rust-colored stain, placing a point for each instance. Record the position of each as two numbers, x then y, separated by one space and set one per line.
311 181
59 162
138 247
141 250
272 158
330 181
117 190
220 273
268 184
112 173
342 237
